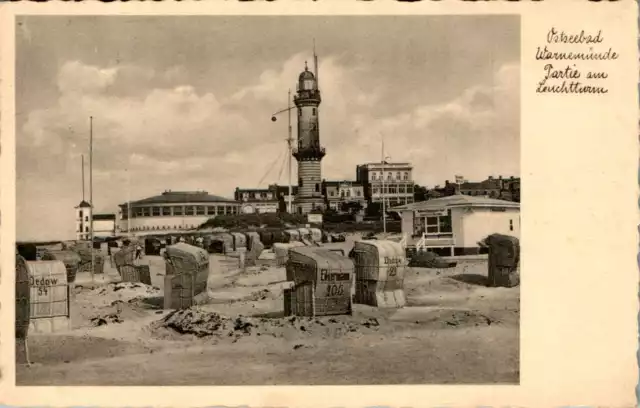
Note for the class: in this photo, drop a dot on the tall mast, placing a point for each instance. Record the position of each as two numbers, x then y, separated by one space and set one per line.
128 203
289 141
315 64
91 195
83 177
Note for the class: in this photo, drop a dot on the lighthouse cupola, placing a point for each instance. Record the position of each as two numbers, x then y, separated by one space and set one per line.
306 80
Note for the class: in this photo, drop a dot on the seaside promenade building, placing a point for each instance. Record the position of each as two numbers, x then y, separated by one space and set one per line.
264 200
341 192
173 211
392 182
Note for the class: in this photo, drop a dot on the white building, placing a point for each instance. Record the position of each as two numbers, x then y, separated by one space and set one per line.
104 225
393 181
455 224
83 215
173 211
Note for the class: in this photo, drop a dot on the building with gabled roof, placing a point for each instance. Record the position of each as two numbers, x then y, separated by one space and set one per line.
454 225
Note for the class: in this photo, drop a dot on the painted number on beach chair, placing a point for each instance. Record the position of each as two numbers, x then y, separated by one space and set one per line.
335 290
393 270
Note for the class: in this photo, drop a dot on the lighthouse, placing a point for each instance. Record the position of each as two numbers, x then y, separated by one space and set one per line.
308 152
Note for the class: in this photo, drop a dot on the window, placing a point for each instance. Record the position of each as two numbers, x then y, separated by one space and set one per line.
200 210
317 188
510 225
392 190
166 211
86 229
155 211
145 211
86 218
177 211
406 175
401 189
373 176
138 212
398 176
219 210
348 193
438 224
211 210
389 176
314 111
189 210
299 112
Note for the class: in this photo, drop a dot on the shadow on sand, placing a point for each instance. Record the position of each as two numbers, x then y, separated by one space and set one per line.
471 279
270 315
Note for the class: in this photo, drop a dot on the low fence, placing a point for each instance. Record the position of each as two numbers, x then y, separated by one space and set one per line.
376 227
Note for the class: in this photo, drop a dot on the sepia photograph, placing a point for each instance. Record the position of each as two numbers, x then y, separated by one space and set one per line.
267 200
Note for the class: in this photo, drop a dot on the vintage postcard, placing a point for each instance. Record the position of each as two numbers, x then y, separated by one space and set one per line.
351 203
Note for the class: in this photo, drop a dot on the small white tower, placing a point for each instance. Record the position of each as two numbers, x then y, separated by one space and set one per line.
83 217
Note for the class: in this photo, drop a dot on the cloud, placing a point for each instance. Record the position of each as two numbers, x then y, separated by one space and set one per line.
154 131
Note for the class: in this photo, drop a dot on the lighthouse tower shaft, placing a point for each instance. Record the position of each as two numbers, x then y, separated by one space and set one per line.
308 151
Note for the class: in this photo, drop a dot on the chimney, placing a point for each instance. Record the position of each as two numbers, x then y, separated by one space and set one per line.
456 189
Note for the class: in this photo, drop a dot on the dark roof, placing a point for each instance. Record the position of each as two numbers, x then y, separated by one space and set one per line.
179 197
84 204
105 217
306 74
339 182
285 189
483 185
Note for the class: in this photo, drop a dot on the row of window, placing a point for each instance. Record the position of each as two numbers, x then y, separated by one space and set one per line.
345 193
181 210
393 202
399 176
315 112
163 227
393 190
433 225
491 193
253 196
438 225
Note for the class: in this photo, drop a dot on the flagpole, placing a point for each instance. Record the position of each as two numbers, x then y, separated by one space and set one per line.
91 196
384 206
290 141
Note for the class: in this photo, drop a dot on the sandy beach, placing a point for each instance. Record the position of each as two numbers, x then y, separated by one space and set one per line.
454 329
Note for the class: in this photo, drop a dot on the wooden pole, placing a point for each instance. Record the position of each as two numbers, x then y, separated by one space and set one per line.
91 196
290 141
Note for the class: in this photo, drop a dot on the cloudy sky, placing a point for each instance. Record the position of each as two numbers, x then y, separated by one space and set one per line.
185 103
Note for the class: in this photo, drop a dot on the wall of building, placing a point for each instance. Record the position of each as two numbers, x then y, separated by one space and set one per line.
83 215
104 228
174 223
260 208
480 223
457 225
407 223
